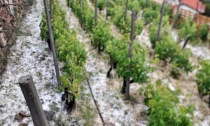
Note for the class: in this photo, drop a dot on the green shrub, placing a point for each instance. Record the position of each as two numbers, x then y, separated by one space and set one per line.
101 34
134 6
168 50
203 32
164 108
203 78
139 68
69 49
101 4
182 60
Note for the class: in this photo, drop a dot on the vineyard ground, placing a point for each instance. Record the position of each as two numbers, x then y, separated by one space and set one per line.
31 55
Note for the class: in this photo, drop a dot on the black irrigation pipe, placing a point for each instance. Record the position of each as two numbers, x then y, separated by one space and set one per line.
95 101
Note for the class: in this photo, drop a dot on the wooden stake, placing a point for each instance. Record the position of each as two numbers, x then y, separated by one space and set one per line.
52 43
32 100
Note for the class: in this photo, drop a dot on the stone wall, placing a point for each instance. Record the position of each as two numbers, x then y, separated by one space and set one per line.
10 18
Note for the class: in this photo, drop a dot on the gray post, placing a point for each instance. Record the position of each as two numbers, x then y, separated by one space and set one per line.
160 23
52 43
176 16
130 53
32 100
126 9
197 12
80 2
145 4
107 9
51 4
96 13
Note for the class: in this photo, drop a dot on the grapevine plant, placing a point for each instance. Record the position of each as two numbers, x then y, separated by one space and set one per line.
101 34
84 12
167 49
117 49
164 108
203 79
69 49
187 32
170 52
116 11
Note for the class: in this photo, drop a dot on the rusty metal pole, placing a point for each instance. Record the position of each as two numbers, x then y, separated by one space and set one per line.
52 43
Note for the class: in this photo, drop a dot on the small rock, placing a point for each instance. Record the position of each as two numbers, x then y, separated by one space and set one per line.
206 99
75 123
18 118
42 58
50 115
81 122
23 124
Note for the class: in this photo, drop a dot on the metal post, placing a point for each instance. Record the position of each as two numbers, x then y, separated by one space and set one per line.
176 16
96 15
51 4
106 9
32 100
130 53
52 43
197 12
126 9
80 2
160 23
